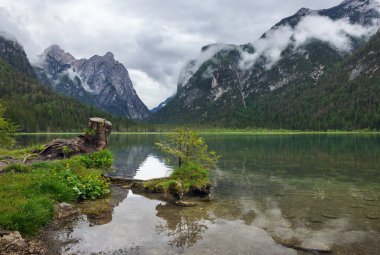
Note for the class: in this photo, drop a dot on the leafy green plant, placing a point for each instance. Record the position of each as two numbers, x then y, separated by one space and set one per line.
89 187
191 176
101 159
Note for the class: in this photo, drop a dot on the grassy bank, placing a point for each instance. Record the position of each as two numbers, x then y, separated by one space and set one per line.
28 192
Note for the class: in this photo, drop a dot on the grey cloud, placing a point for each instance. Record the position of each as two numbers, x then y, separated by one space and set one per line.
156 38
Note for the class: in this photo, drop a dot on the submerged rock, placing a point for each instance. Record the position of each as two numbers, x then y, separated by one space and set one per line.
329 216
372 216
185 203
65 210
310 245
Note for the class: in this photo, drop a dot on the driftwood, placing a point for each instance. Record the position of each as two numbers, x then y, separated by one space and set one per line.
95 139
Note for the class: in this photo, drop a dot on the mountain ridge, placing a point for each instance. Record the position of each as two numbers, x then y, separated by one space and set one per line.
221 85
101 81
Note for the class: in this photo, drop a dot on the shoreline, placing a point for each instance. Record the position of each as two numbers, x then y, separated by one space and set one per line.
227 132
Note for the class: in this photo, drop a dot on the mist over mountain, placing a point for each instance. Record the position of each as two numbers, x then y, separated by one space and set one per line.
225 80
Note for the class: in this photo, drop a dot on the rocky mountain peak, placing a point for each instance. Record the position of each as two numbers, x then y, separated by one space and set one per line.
303 11
100 80
109 56
58 54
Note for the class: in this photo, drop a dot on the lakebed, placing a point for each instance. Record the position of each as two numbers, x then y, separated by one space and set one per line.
272 194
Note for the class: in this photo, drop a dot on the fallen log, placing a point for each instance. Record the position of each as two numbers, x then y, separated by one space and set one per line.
95 139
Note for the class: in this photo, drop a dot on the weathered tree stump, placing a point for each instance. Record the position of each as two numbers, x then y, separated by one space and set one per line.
95 139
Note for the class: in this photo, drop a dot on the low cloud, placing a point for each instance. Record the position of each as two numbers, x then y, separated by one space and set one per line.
154 37
192 66
149 90
336 33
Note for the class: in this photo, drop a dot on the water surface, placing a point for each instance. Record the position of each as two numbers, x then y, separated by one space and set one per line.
268 191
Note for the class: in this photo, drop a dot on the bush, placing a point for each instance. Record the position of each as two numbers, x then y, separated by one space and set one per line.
191 176
101 159
89 187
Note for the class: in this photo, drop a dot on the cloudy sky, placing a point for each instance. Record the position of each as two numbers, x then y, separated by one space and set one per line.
152 38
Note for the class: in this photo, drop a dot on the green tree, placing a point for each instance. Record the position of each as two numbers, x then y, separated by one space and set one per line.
7 129
187 146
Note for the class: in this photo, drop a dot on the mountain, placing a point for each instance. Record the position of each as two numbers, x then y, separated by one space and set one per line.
363 12
161 105
224 80
346 97
14 55
100 81
35 107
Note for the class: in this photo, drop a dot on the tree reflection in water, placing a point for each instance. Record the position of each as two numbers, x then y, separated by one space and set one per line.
183 226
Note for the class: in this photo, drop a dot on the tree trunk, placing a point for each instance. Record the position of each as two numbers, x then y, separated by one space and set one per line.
95 139
99 130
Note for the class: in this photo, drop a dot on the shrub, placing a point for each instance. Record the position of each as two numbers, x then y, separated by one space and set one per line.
191 176
89 187
100 159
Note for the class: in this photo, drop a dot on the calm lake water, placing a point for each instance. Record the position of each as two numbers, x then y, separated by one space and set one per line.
268 191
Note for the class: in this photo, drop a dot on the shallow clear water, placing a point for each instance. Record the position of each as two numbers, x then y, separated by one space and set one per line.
268 191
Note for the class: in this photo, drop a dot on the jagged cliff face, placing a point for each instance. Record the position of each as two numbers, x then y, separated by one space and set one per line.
13 54
219 81
101 81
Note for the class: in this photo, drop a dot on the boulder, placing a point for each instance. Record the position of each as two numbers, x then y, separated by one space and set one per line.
13 242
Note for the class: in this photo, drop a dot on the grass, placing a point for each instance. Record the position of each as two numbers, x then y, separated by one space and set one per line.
192 177
20 153
28 192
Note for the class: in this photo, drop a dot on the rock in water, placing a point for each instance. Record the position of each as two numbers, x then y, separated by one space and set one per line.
185 203
310 245
65 210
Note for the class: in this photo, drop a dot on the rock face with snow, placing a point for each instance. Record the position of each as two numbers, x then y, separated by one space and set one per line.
226 78
101 81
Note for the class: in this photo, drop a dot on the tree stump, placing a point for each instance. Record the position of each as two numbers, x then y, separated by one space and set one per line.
95 139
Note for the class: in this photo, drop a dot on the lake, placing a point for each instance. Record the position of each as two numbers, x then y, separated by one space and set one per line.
269 192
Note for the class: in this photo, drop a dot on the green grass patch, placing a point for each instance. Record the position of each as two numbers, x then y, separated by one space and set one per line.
192 176
28 192
20 153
